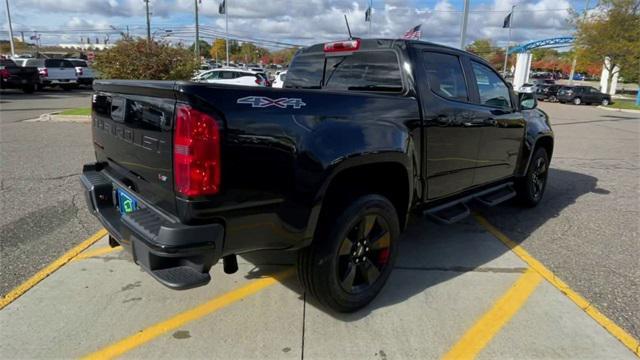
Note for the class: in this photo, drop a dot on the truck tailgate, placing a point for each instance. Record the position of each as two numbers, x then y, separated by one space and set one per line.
132 134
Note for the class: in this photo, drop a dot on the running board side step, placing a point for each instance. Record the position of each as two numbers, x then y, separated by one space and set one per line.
456 210
499 196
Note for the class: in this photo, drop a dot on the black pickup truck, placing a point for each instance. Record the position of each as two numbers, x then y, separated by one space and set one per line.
13 76
363 133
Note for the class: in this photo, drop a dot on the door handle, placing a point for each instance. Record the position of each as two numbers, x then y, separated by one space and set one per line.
473 124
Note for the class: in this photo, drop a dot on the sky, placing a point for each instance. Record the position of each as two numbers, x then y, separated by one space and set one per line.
300 22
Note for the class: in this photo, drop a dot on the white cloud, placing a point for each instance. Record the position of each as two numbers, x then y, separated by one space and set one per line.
310 21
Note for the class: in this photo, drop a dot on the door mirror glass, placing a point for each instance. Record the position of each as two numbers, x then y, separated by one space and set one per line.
528 101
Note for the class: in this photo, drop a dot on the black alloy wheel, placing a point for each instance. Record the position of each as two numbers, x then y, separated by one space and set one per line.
364 254
352 253
530 188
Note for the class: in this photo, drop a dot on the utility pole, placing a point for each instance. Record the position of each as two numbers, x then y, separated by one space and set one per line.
575 56
22 36
13 47
197 44
463 26
148 25
226 28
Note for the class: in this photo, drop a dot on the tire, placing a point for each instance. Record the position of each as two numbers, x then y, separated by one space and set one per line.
530 188
29 89
352 254
605 102
577 101
552 98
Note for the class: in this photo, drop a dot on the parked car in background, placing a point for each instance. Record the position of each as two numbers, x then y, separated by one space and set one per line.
548 92
579 77
582 95
13 76
232 77
55 72
83 71
279 81
528 88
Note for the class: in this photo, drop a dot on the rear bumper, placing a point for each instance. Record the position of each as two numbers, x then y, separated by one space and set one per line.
85 81
177 255
16 83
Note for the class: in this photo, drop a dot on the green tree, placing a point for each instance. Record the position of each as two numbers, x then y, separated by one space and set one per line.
218 50
482 47
613 32
131 59
205 49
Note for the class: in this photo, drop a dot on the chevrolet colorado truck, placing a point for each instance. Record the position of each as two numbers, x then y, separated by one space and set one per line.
363 133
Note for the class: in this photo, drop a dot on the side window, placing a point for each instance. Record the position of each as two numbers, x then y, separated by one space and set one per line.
212 75
226 75
445 76
594 90
493 91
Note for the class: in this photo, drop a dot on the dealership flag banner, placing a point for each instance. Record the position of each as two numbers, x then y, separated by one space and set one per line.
414 33
507 21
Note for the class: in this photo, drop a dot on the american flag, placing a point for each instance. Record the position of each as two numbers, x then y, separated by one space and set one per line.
414 33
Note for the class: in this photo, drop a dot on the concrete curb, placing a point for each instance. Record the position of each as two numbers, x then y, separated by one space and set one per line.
621 110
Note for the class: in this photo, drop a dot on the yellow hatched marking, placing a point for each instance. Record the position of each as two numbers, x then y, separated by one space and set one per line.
489 324
624 337
50 269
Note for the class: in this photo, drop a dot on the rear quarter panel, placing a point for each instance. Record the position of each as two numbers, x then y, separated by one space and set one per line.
277 160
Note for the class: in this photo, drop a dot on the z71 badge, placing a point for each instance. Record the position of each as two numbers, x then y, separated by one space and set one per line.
263 102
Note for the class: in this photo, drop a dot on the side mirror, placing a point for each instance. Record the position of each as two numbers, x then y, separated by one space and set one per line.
528 101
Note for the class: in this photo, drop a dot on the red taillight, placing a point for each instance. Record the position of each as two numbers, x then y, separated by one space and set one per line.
258 81
338 46
196 153
4 73
44 72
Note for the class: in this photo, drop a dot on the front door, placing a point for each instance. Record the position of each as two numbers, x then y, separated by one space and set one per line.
451 141
502 124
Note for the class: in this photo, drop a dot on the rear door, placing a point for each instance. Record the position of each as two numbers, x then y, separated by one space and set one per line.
451 136
501 121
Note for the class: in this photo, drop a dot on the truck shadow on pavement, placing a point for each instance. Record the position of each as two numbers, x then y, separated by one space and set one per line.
431 253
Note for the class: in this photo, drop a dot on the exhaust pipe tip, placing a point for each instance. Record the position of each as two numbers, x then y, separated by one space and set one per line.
230 264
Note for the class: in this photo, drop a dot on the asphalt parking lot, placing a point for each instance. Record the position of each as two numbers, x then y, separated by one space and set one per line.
558 281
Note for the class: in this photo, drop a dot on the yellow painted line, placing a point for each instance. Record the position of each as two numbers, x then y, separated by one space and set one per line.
624 337
97 252
489 324
51 268
152 332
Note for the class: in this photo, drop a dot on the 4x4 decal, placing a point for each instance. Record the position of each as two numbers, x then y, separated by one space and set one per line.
263 102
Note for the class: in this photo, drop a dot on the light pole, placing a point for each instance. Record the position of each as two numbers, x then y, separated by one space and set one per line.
148 24
13 47
197 45
463 26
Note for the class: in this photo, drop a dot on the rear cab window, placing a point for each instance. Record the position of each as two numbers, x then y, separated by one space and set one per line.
375 70
79 63
58 63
